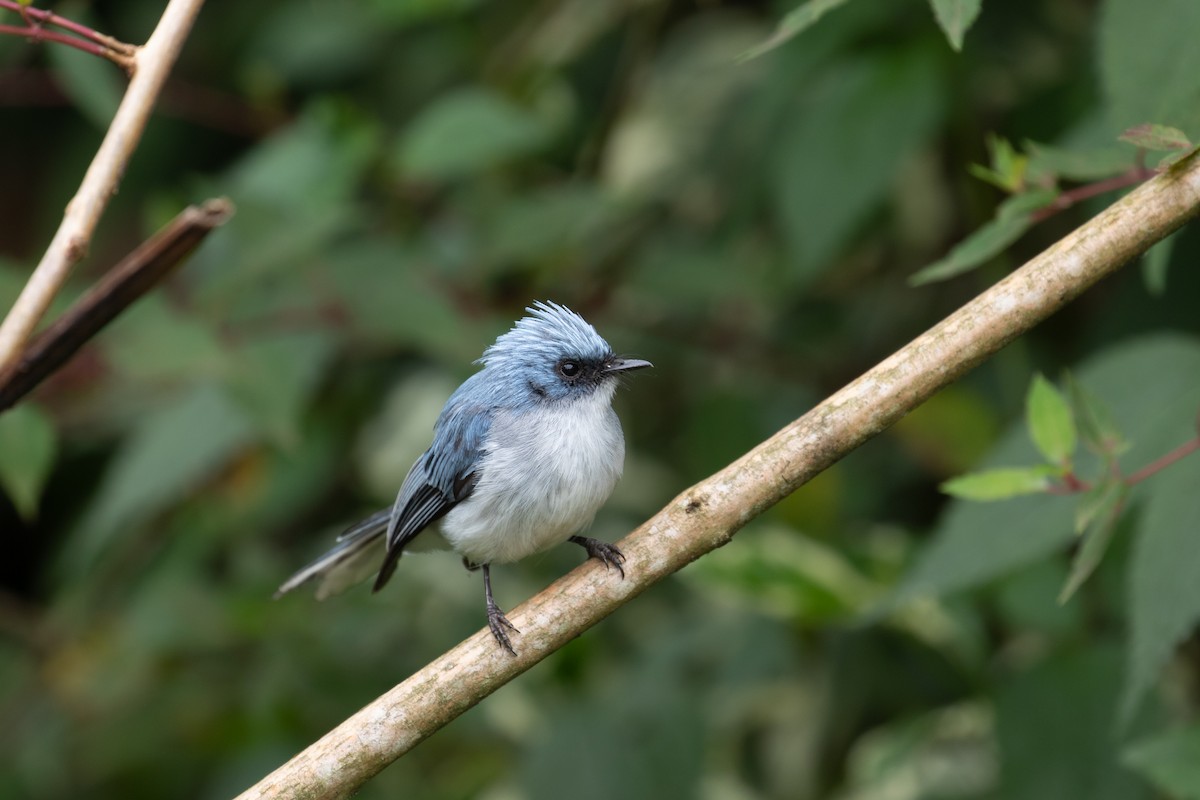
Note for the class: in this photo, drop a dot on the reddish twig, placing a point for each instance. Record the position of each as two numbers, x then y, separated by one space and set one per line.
70 242
49 18
1134 176
1159 464
85 39
38 34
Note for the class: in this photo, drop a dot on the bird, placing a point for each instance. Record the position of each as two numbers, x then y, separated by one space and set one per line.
524 454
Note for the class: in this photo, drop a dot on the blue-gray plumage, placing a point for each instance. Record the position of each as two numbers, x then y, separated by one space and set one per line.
524 453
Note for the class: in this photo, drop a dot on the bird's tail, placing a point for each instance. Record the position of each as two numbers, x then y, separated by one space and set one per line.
354 558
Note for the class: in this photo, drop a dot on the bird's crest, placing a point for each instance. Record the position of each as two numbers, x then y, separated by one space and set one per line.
551 331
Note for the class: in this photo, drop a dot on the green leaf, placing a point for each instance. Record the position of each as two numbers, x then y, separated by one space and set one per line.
1077 162
794 23
788 574
1013 218
1151 136
1099 513
1020 205
1008 167
1151 387
94 84
1164 590
274 376
956 18
1095 503
1095 422
167 456
1051 426
1148 63
153 341
27 447
1054 729
999 484
466 132
405 310
841 148
1171 761
1155 262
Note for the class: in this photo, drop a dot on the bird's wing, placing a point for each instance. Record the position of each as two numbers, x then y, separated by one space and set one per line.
441 478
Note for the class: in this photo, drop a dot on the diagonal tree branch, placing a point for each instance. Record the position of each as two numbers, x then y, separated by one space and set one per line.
136 274
151 64
707 515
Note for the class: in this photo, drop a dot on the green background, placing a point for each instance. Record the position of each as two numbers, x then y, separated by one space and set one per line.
408 175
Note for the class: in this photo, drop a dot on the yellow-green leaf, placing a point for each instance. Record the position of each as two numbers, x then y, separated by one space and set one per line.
1050 423
999 484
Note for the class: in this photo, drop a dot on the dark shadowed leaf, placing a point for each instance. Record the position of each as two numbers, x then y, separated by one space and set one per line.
1155 262
841 147
1099 515
467 131
27 446
1164 592
794 23
1013 218
1063 706
1096 427
1171 761
173 451
1077 162
272 378
1149 385
153 341
1148 63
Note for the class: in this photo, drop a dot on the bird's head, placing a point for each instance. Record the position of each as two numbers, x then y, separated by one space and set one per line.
554 354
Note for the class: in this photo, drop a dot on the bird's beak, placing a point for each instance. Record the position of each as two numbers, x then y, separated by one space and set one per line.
626 364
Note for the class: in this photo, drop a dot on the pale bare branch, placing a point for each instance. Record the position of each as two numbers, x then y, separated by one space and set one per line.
152 62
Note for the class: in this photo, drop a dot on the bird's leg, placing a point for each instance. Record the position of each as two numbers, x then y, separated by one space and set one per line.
606 553
497 622
471 567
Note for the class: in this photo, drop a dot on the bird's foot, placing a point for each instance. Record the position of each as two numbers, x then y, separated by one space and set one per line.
606 553
497 622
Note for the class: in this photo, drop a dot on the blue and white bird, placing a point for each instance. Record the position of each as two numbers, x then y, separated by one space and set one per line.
524 453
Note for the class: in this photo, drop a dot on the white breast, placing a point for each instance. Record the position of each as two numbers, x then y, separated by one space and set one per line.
544 474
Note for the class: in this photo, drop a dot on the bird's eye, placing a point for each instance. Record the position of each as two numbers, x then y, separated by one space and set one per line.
568 369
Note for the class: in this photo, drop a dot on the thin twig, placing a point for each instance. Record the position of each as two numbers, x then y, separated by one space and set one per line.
50 18
136 274
1138 174
1159 464
707 516
71 241
38 34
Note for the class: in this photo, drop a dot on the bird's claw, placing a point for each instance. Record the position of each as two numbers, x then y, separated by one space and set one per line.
497 622
608 554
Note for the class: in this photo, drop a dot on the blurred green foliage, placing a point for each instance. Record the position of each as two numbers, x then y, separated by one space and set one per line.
409 174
